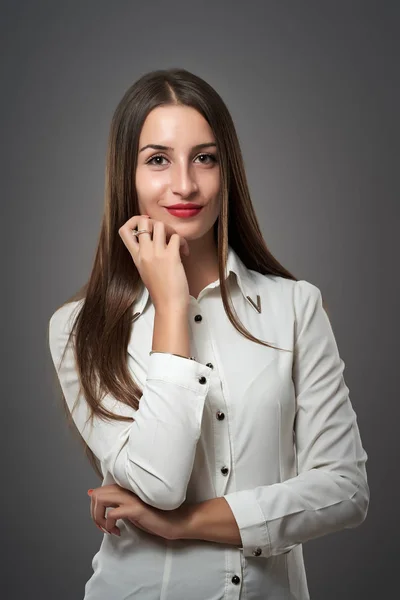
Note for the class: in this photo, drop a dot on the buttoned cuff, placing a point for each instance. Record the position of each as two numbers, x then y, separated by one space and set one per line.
181 371
250 520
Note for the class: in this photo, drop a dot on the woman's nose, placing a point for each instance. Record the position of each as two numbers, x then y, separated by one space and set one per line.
183 180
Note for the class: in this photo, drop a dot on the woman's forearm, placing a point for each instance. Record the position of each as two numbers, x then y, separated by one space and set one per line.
171 331
211 520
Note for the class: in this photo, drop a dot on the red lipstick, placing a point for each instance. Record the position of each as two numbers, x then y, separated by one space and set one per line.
184 210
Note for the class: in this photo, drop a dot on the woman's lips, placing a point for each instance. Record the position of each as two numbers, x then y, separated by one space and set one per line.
183 213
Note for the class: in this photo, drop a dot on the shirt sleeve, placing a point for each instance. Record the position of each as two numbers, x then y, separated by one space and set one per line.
330 491
152 456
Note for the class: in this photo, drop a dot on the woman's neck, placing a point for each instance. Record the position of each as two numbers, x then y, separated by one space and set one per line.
201 266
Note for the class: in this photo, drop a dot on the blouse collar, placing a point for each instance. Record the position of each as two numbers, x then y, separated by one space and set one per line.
235 265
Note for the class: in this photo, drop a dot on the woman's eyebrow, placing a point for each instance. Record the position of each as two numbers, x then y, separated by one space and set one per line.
160 147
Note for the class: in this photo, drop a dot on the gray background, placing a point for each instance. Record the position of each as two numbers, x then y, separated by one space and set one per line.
313 89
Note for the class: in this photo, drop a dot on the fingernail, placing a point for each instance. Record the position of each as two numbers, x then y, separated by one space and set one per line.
90 492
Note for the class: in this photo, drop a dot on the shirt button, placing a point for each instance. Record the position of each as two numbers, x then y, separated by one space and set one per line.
235 579
220 415
198 318
210 365
257 552
224 470
202 379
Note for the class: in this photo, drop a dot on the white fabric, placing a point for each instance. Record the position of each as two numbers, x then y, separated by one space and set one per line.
289 439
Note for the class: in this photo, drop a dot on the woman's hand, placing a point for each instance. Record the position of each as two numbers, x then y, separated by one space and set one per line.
125 504
158 262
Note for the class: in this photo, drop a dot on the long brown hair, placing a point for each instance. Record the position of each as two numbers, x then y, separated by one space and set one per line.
102 327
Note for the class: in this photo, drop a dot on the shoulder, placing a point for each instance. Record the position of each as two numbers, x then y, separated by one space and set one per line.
61 322
281 289
288 301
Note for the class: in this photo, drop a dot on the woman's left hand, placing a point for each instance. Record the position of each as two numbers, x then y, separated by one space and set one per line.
168 524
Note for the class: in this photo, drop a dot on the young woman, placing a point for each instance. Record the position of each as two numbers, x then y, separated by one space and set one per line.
203 378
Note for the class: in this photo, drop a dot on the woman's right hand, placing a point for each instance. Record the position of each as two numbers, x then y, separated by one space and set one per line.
158 261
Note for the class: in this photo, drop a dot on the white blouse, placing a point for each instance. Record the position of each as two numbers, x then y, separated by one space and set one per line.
272 432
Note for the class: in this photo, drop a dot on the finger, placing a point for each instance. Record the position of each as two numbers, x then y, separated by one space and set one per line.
110 523
108 497
99 513
131 511
133 243
159 240
170 231
126 233
177 242
92 501
91 507
182 245
144 240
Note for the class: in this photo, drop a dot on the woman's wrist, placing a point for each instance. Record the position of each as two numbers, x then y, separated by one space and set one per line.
171 331
172 310
184 527
211 520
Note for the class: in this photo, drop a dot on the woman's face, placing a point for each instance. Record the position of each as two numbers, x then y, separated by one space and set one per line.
180 173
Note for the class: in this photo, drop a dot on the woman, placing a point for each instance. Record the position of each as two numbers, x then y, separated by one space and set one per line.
202 376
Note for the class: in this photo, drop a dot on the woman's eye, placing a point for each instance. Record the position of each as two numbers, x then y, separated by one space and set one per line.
212 159
150 162
210 156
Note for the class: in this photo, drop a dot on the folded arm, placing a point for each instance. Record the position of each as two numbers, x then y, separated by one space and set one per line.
331 490
152 456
